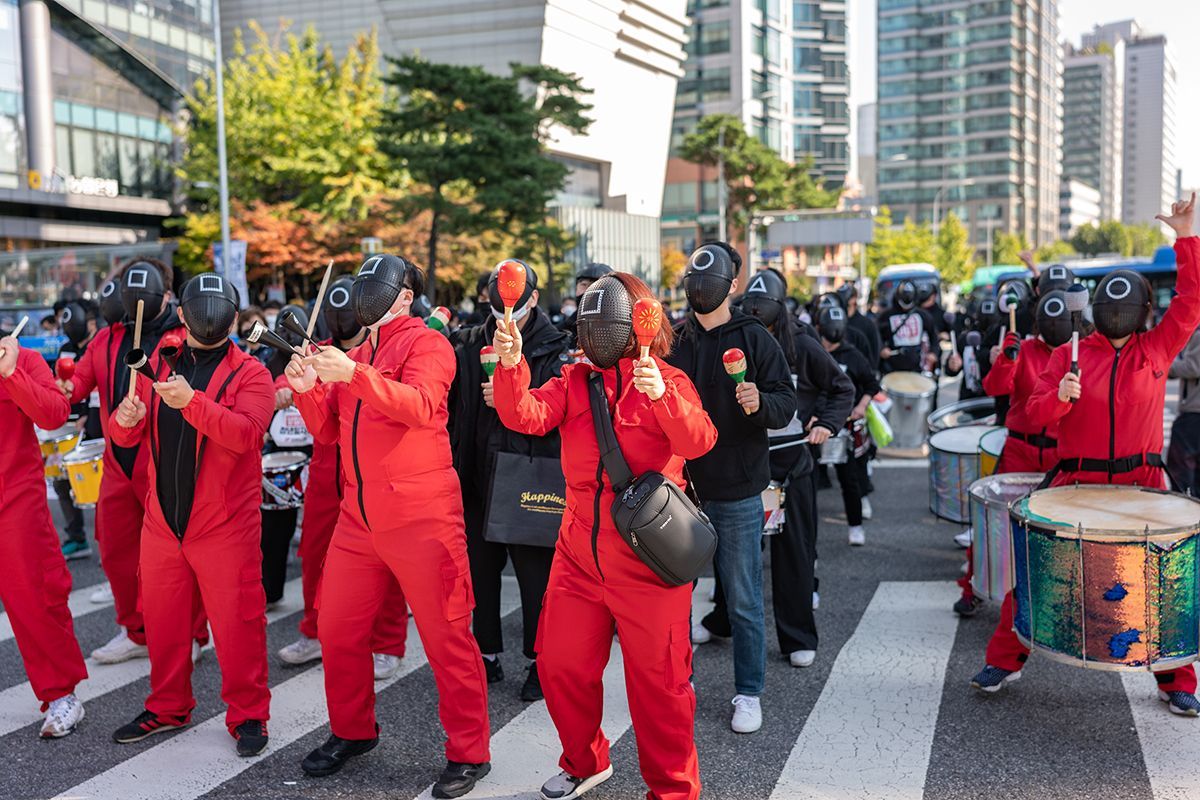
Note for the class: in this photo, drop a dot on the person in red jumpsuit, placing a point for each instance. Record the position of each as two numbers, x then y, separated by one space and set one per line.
322 498
34 580
401 519
1110 415
121 505
1029 447
203 423
598 586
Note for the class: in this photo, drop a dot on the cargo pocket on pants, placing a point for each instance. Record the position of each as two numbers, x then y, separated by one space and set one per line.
456 589
252 597
679 656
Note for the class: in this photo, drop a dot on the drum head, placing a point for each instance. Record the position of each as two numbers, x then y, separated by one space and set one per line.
283 459
992 442
90 450
1005 488
1110 511
910 383
976 411
963 440
58 434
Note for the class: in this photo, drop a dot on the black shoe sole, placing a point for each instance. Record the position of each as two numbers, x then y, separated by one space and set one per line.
326 771
247 753
442 794
148 734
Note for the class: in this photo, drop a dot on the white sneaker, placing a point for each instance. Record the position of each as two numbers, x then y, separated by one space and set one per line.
747 714
963 539
197 652
858 537
385 666
301 651
803 658
816 601
867 511
567 787
61 717
700 634
102 596
118 649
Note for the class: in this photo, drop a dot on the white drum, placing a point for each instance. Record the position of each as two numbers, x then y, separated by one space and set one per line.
912 400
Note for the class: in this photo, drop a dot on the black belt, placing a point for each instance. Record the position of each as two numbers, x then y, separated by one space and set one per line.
1038 440
1114 466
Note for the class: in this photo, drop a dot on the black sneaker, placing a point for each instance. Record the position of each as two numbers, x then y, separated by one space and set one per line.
251 738
458 779
146 724
1184 704
531 692
495 672
993 679
565 786
965 607
333 755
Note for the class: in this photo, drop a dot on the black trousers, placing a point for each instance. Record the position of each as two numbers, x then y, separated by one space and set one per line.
71 513
852 476
487 559
793 571
1183 456
278 527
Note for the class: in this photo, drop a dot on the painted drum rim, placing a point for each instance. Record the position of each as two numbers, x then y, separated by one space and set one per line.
936 420
1064 531
86 450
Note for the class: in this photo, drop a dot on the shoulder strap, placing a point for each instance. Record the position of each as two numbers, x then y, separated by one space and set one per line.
610 452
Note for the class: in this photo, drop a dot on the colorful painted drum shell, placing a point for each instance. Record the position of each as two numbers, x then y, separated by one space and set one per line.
991 551
990 448
953 467
912 400
1110 597
84 467
285 475
976 411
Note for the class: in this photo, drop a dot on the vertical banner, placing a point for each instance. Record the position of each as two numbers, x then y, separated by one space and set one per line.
235 273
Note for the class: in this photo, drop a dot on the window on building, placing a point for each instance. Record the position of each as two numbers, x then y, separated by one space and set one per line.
709 38
805 12
806 57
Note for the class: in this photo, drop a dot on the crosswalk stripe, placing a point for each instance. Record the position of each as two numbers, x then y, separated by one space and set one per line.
871 731
902 463
77 601
198 760
19 707
1170 747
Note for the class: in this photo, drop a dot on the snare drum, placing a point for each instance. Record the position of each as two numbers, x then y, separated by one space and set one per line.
860 438
912 400
990 448
991 534
54 445
1107 577
284 477
836 449
976 411
953 467
773 511
85 469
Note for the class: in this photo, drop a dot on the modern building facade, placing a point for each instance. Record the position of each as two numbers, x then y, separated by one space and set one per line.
779 66
1093 123
1080 204
630 53
969 114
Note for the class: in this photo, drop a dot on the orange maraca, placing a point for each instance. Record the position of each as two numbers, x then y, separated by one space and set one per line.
647 322
510 282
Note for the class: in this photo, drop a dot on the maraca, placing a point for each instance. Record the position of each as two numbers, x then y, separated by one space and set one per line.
647 322
64 368
439 319
510 282
735 364
488 359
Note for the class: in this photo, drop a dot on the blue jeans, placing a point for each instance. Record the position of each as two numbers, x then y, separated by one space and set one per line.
739 525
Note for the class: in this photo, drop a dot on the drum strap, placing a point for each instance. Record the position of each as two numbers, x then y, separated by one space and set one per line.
1116 466
1038 440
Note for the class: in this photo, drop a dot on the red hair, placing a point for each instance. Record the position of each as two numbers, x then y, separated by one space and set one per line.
661 346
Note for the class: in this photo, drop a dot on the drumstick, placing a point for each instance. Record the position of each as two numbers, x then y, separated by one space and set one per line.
137 344
1074 355
17 330
953 343
312 321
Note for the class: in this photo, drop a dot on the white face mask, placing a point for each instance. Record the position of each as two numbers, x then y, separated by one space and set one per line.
271 317
518 314
384 320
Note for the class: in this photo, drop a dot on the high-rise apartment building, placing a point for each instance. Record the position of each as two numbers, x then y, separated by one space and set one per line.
1093 122
969 114
778 65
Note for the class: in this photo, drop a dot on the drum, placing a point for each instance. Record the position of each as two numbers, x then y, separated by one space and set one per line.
54 444
976 411
953 467
860 438
912 400
1107 576
991 534
85 469
284 477
990 448
836 449
773 511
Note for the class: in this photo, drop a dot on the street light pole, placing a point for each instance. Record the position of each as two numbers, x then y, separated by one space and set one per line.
222 168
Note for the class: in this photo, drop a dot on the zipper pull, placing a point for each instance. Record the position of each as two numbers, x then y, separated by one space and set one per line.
633 538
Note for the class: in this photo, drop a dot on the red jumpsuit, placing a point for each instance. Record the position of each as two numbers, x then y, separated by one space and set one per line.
121 505
322 497
218 553
598 583
401 519
34 580
1093 427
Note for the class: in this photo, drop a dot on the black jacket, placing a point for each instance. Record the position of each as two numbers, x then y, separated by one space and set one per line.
737 467
855 365
911 334
476 434
870 332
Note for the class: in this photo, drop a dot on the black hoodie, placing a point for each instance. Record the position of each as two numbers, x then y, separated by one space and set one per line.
738 466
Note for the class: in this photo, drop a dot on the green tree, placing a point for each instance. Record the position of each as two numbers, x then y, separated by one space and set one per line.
1145 239
476 144
299 125
955 256
1115 238
1057 251
1007 247
908 244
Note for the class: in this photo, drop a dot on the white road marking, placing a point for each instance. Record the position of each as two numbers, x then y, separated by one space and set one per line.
902 463
19 707
77 601
192 763
871 731
1170 747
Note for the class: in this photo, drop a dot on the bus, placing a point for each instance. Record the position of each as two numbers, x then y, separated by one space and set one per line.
890 276
1159 270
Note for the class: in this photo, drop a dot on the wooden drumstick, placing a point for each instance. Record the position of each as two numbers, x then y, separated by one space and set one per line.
137 344
17 330
1074 355
312 321
953 343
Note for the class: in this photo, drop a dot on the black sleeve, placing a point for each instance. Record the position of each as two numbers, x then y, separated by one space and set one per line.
777 395
873 340
884 326
863 376
837 390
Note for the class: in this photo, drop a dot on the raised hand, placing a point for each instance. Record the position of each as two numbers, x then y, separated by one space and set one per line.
647 378
507 343
131 411
301 377
1181 218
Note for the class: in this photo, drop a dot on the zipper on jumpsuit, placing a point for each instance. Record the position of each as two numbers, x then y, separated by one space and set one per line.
362 505
1112 414
178 460
600 479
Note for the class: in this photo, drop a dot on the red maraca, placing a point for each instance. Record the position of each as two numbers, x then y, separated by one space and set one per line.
510 282
647 322
64 368
735 364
